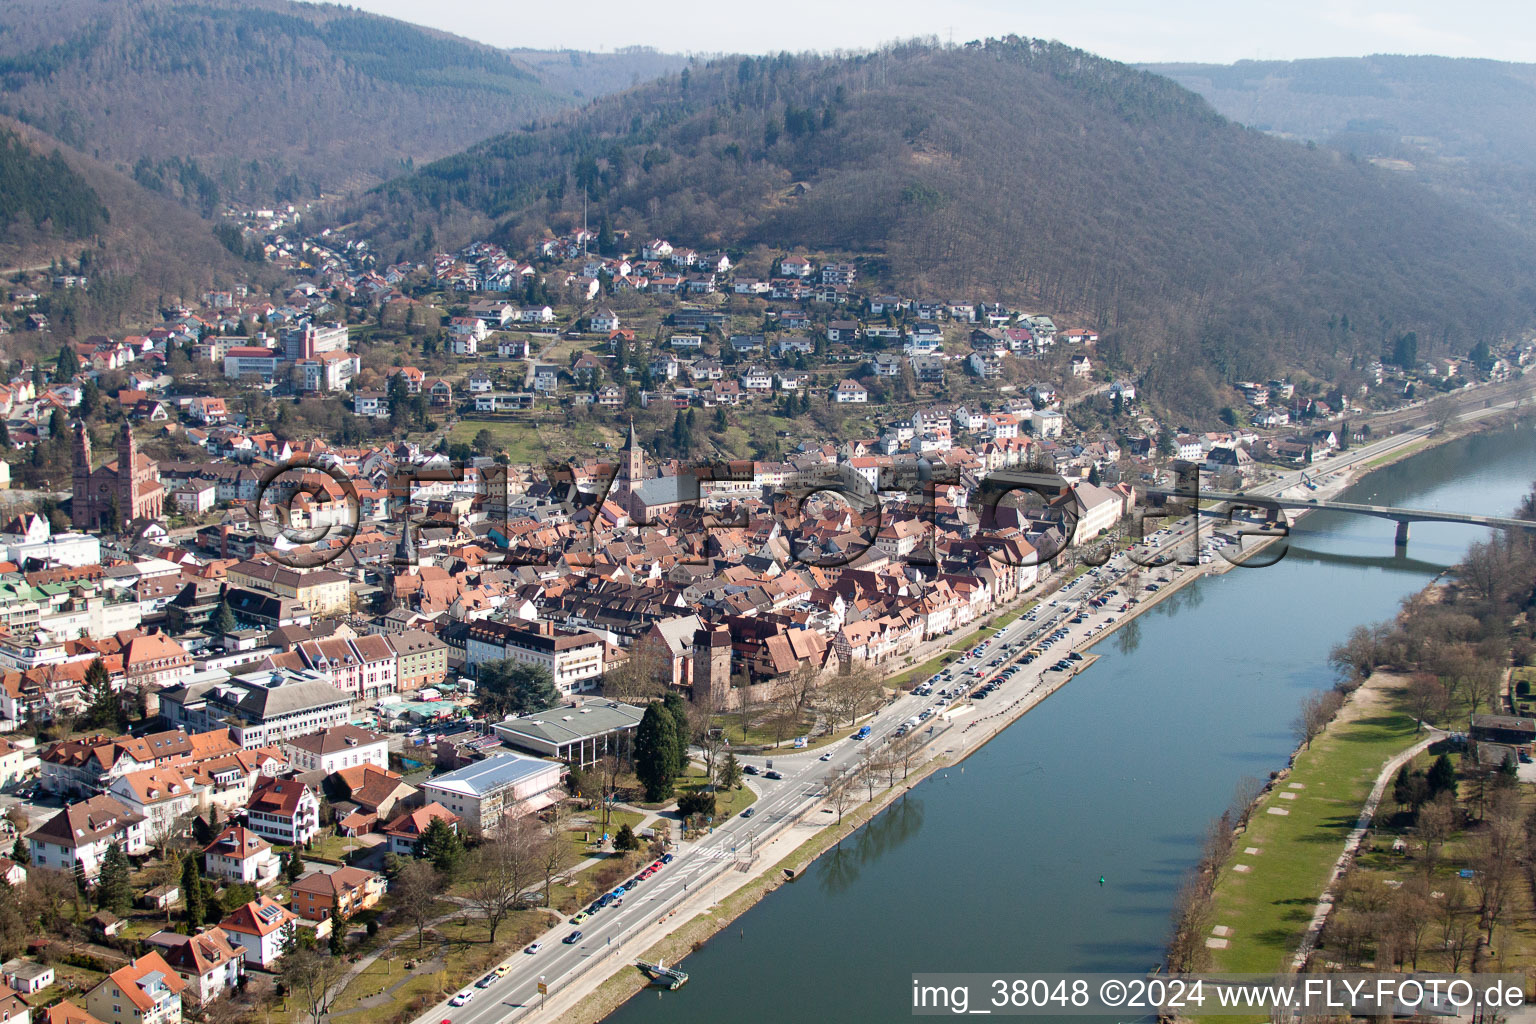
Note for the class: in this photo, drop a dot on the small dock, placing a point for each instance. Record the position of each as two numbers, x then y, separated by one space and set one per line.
661 974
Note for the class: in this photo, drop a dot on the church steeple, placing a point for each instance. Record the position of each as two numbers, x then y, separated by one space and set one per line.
80 501
632 464
127 476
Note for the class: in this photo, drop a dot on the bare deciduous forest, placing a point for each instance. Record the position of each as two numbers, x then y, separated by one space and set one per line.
1015 169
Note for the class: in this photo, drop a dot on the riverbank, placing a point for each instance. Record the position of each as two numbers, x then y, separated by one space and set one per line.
989 723
1266 893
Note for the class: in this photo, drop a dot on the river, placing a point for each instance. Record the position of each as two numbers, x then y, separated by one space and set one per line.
996 867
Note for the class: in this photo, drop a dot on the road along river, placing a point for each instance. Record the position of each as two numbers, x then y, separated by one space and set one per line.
994 865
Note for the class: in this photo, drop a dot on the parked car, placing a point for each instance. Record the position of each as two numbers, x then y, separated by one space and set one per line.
462 998
572 938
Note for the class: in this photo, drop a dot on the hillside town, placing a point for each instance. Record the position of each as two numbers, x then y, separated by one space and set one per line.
254 668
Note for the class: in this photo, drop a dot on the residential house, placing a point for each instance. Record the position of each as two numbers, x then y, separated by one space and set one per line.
339 893
76 838
147 991
850 391
263 928
284 811
241 855
341 746
210 963
404 832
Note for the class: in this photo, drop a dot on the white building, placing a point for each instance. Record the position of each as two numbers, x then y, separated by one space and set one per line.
488 792
241 855
263 928
77 837
574 660
344 746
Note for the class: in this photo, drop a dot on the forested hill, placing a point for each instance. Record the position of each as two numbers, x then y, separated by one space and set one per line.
138 249
208 99
41 196
1463 126
1015 169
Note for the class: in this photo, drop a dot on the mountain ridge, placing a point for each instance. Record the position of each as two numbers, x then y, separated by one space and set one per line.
1024 170
332 97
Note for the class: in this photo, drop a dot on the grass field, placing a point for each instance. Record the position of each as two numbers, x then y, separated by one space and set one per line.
461 955
1268 907
530 442
1402 452
727 801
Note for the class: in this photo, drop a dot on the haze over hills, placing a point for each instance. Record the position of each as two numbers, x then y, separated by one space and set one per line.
1462 126
207 99
1019 170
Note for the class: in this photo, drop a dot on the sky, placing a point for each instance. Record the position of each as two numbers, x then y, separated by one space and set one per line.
1135 31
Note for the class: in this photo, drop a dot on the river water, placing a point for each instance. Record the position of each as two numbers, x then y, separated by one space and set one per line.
997 867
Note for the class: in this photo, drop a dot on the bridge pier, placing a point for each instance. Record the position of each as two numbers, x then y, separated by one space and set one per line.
1401 540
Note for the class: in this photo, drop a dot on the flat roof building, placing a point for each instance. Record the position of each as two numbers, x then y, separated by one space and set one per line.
502 786
578 734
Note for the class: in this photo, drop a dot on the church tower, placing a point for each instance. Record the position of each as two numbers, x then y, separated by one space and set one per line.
632 461
128 483
81 502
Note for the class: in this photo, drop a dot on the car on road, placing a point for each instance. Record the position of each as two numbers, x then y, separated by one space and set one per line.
487 981
749 769
772 775
825 757
749 812
462 998
534 947
572 938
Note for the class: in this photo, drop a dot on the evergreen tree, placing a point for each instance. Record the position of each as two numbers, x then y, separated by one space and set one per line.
626 840
728 775
505 687
656 752
192 893
677 708
223 621
66 366
202 831
1441 777
101 703
114 887
295 866
442 845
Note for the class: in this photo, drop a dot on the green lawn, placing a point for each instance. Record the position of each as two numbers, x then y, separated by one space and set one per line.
727 801
761 735
584 838
463 954
1400 453
536 441
918 673
332 847
1269 906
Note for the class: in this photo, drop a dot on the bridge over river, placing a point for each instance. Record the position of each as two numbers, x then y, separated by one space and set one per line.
1401 516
